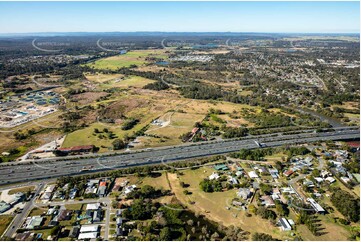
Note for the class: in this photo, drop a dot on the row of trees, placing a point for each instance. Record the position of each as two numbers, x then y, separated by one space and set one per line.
346 204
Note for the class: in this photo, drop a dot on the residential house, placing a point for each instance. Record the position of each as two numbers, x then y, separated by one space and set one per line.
97 216
244 193
330 179
252 174
92 206
288 173
232 180
74 232
267 201
317 207
284 224
214 176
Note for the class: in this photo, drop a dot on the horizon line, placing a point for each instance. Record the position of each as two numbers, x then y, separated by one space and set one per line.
155 31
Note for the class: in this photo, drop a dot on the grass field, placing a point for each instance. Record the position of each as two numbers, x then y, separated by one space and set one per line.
131 58
157 182
37 211
74 206
333 231
179 123
100 78
276 157
105 81
21 189
213 205
5 220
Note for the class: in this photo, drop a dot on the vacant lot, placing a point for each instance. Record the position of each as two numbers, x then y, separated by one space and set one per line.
332 231
213 205
158 182
100 78
5 220
21 189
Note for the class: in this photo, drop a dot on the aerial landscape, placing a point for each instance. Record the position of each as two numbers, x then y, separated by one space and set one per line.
191 121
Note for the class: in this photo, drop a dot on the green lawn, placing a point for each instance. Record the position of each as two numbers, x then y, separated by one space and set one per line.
74 206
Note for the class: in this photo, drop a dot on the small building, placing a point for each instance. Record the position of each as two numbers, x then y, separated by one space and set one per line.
120 231
195 130
308 183
284 224
77 149
88 214
4 206
46 196
244 193
252 174
74 232
35 221
221 167
239 173
267 201
97 216
119 212
89 228
233 180
288 173
276 191
53 223
345 179
330 179
317 207
273 173
88 236
214 176
73 192
324 174
65 215
129 189
119 221
288 190
102 191
26 236
93 206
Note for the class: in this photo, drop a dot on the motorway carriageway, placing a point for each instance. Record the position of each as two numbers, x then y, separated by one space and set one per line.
50 169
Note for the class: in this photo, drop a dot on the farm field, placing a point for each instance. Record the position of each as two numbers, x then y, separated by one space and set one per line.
131 58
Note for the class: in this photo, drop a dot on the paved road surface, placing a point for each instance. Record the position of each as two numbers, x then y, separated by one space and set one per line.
52 169
19 218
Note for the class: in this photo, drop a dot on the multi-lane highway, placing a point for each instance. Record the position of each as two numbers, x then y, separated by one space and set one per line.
44 169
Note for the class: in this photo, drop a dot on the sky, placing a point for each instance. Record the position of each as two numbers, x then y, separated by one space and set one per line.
281 17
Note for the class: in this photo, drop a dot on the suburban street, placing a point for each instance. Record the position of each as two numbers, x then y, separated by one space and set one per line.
19 218
36 170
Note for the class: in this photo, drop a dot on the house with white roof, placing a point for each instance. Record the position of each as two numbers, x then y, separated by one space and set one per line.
214 176
252 174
